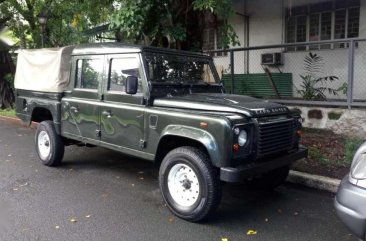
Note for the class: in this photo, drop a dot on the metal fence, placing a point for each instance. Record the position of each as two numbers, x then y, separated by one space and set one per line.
327 73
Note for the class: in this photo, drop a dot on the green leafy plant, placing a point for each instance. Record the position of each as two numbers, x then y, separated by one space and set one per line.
314 85
181 23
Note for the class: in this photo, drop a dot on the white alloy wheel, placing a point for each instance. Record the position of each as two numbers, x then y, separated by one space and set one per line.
183 185
44 146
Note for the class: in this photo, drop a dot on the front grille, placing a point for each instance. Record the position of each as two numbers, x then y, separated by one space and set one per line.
275 136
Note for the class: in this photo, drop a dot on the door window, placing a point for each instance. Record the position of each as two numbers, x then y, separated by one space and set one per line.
120 69
88 73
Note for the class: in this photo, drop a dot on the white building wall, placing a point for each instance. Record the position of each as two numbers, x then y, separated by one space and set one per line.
265 22
267 27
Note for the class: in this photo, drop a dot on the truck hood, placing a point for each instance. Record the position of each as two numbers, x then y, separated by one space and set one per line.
246 105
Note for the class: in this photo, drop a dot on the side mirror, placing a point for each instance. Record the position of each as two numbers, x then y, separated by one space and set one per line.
131 85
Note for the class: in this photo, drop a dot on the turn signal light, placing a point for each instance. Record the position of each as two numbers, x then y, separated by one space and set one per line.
203 124
236 147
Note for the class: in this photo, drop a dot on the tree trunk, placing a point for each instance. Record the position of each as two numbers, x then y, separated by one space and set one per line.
6 90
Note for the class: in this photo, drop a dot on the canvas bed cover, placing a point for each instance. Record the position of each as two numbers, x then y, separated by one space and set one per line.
45 70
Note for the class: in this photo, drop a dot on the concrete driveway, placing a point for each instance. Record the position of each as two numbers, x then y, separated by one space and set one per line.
99 194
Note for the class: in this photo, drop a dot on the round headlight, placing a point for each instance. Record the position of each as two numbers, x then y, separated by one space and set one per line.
359 169
243 138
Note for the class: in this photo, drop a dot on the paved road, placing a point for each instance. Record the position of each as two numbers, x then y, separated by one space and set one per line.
114 197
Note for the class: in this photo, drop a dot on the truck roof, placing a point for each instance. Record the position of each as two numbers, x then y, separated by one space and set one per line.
43 69
48 69
115 48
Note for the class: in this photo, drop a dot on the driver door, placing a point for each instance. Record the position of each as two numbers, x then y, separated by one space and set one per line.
122 114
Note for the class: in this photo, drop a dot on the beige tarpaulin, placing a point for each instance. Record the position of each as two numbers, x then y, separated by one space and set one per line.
43 69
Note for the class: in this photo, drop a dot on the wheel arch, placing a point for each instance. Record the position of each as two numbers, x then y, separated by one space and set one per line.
176 136
40 114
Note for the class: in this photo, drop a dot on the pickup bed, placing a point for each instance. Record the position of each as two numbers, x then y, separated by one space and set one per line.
162 105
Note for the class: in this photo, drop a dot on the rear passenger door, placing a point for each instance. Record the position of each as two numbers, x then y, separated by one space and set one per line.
122 115
81 107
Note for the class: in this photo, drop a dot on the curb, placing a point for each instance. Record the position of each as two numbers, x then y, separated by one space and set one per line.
17 121
314 181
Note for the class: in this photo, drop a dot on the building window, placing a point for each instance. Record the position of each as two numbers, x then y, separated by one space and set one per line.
337 19
212 40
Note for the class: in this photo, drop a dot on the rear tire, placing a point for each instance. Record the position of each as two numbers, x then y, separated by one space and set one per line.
190 185
49 145
271 179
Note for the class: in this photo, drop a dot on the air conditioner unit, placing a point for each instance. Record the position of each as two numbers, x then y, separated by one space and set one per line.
272 59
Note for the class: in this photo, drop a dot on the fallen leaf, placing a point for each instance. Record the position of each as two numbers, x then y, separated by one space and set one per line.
73 220
88 216
171 219
251 232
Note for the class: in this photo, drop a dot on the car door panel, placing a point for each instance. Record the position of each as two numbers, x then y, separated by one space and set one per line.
81 107
122 115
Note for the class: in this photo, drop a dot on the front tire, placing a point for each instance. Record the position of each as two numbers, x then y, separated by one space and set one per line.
189 184
49 145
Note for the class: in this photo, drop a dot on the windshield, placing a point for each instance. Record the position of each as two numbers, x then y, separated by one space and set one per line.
166 68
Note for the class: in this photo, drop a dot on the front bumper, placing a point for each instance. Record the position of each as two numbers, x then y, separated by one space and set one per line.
350 206
237 174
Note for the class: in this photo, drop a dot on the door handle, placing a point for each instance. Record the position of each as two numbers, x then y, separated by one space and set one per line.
75 109
106 113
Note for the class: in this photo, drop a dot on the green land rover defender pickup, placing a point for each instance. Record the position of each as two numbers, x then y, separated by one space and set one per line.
162 105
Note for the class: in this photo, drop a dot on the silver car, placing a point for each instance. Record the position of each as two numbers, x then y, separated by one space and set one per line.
350 201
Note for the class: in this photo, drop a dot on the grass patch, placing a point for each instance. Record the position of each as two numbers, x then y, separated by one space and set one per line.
316 154
350 147
8 112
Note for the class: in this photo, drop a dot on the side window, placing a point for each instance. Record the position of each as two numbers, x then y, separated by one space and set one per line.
88 73
120 69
